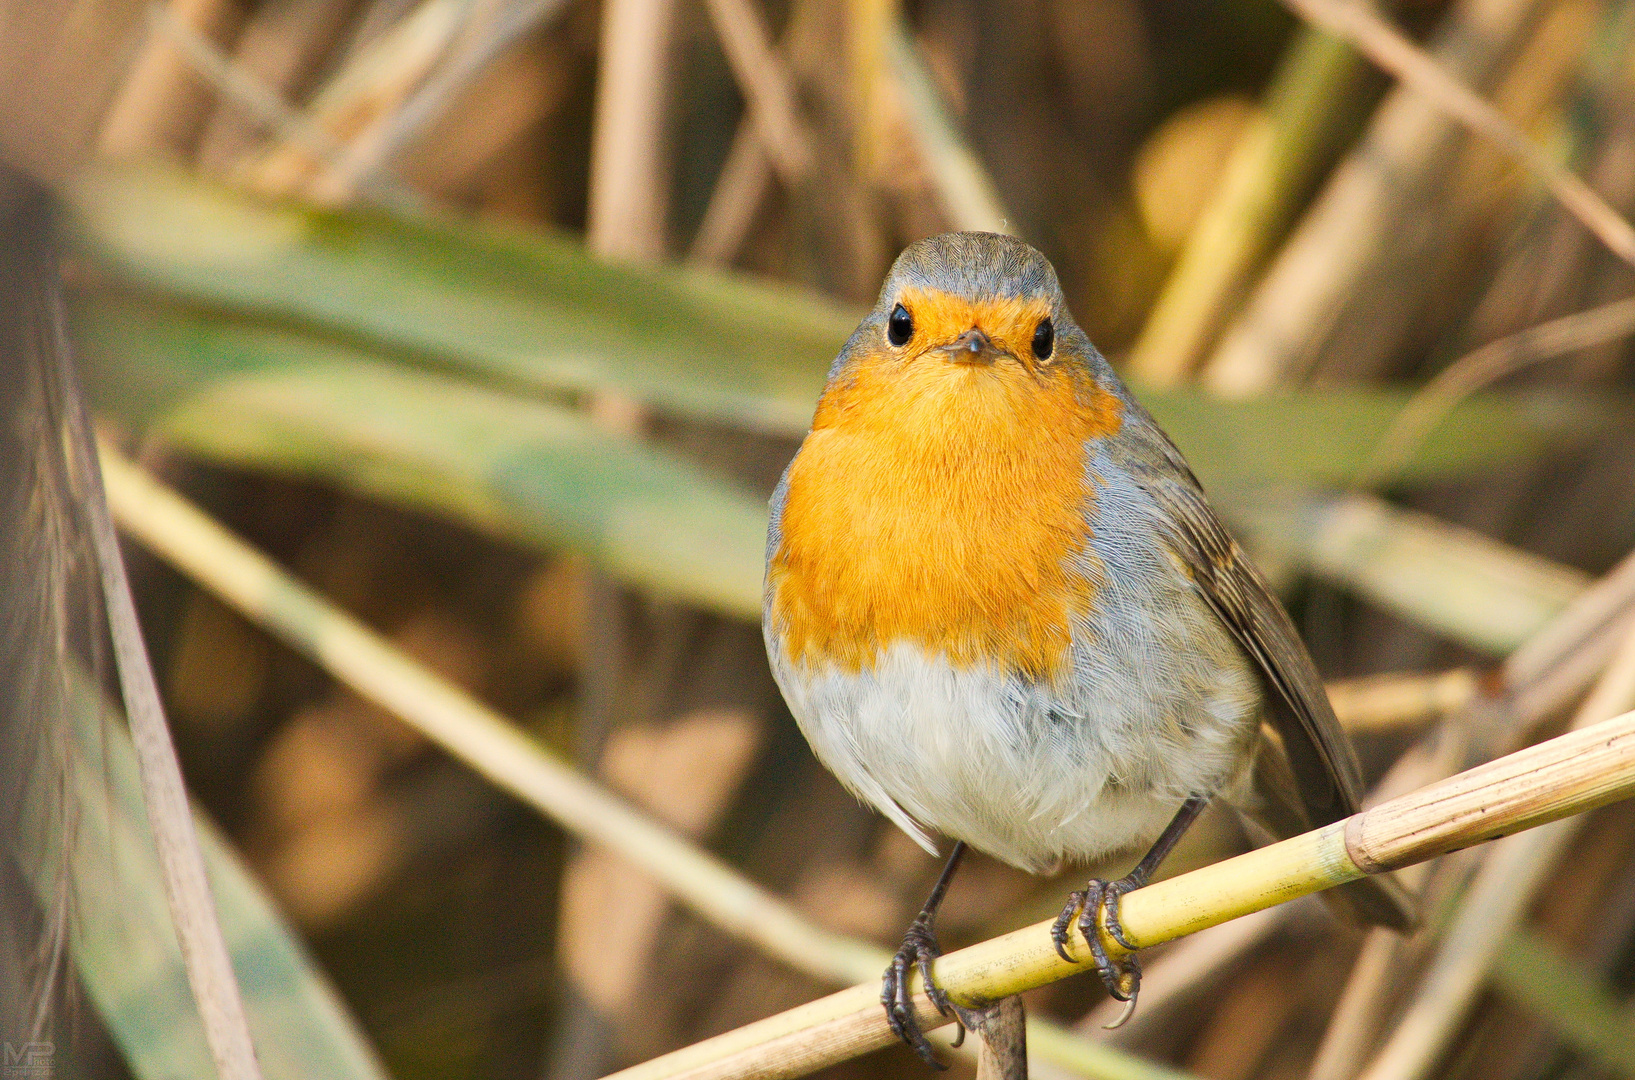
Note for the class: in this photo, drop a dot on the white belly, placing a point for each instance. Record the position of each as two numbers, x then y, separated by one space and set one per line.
1028 775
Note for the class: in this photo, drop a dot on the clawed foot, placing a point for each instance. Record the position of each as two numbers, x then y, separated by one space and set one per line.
919 949
1098 903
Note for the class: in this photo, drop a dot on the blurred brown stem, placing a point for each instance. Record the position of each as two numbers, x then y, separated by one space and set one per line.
1396 53
629 156
1493 361
766 85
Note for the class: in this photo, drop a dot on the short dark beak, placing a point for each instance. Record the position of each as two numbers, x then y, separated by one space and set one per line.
972 347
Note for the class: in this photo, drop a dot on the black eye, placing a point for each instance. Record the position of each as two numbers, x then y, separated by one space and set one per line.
1044 339
900 326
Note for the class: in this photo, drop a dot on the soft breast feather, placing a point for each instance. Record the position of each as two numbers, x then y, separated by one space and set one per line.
943 507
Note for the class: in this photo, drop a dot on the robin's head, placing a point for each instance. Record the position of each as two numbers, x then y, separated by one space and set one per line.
971 299
966 323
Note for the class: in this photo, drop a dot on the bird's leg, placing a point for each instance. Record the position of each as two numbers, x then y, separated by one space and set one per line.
919 948
1123 979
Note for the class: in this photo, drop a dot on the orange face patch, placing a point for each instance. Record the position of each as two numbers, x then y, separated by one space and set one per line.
940 503
940 318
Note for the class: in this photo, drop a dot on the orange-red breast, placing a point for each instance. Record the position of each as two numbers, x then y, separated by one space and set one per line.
1001 608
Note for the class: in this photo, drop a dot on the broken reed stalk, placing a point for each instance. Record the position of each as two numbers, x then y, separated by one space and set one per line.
1397 54
1567 775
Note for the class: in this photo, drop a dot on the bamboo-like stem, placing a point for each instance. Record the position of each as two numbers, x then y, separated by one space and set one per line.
1176 977
1495 903
1270 164
240 576
1567 775
1396 53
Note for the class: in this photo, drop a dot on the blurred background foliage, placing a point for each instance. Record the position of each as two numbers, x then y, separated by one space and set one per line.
496 320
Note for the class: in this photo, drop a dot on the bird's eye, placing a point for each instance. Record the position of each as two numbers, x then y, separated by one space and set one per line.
900 326
1044 339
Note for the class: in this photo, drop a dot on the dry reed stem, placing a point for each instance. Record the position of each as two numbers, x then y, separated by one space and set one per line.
628 152
969 199
1566 656
1567 775
1268 167
1406 147
1471 372
766 84
1397 54
1357 1016
244 579
1496 901
205 956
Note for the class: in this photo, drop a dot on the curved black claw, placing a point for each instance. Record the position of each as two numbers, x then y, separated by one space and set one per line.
919 949
1122 978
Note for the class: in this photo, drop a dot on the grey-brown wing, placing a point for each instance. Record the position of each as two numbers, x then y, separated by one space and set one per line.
1320 755
1326 779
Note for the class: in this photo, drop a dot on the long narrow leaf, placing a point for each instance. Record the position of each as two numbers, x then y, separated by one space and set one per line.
521 469
534 311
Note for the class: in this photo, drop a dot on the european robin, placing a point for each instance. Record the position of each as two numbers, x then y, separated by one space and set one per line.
1001 608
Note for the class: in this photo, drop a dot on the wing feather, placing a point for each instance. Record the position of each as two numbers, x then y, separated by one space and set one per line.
1320 754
